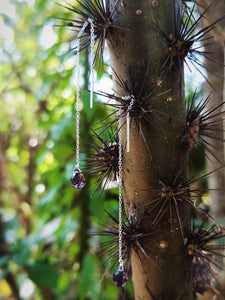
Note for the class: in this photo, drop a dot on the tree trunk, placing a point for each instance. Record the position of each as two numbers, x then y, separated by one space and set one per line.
156 152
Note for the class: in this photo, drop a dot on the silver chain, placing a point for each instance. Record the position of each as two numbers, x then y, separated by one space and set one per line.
92 42
77 80
120 191
132 99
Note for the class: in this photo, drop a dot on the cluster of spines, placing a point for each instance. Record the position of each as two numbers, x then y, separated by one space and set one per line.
202 123
186 44
200 246
98 12
103 162
203 247
175 192
144 108
134 234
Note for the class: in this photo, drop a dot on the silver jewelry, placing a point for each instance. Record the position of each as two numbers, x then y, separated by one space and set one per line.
120 277
132 99
92 42
77 180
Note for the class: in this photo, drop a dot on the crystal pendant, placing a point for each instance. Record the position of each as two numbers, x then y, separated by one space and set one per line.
77 180
120 278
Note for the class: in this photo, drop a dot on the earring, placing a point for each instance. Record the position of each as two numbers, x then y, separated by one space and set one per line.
120 277
77 180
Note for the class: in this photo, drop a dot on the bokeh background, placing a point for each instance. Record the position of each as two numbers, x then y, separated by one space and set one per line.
47 250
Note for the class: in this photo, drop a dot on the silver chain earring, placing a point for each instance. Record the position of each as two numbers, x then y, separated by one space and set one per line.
77 180
120 277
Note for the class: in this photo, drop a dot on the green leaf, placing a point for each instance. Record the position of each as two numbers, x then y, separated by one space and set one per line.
4 260
89 280
89 113
58 129
44 274
21 252
97 204
64 280
49 197
67 226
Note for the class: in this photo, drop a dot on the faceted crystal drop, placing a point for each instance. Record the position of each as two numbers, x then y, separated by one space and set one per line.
77 180
120 278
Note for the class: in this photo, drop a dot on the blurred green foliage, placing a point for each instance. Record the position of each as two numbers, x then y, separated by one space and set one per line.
46 251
